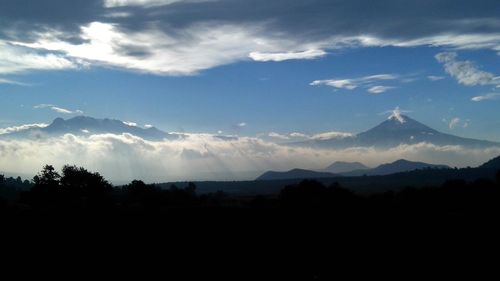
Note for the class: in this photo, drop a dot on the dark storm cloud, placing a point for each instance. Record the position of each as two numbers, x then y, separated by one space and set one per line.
312 18
299 29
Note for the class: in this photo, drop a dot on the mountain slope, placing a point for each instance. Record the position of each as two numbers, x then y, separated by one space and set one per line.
294 174
344 167
396 130
492 164
395 167
83 125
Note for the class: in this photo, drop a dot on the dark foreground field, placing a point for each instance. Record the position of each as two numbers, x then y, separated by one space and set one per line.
77 223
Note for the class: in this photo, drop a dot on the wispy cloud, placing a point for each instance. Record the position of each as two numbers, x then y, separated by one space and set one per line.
454 122
323 136
14 129
130 124
57 109
242 124
489 96
12 82
379 89
466 72
435 78
278 136
184 37
365 82
308 54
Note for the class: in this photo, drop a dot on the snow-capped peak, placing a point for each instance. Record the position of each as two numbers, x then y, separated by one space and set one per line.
396 115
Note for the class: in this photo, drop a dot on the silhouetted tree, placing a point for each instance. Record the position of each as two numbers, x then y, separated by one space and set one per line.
91 188
498 177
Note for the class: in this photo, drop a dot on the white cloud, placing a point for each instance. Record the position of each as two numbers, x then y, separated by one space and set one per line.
298 135
12 82
126 157
331 135
13 129
489 96
57 109
278 136
197 47
308 54
130 124
242 124
435 78
454 123
466 72
43 105
379 89
15 60
61 110
351 84
148 126
144 3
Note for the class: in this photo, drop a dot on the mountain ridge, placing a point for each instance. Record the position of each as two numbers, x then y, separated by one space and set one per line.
85 125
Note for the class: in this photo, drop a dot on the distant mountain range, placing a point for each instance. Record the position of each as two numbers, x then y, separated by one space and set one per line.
294 174
343 167
342 170
83 125
394 167
398 129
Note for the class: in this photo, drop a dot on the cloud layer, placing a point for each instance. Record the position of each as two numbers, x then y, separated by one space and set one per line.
205 157
184 37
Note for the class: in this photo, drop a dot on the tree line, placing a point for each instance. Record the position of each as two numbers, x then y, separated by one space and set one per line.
78 189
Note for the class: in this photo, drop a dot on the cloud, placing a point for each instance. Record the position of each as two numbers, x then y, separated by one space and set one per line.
148 126
489 96
144 3
57 109
43 105
65 111
331 135
12 82
242 124
379 89
309 54
466 72
14 129
435 78
278 136
298 135
351 84
130 124
175 37
14 60
125 157
454 123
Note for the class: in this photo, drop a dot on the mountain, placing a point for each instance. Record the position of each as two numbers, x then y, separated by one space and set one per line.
395 167
294 174
492 164
83 125
344 167
396 130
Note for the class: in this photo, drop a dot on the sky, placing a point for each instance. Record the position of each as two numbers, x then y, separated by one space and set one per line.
264 70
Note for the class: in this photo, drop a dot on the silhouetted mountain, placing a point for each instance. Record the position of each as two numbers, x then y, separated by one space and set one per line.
395 167
492 164
344 167
294 174
398 129
83 125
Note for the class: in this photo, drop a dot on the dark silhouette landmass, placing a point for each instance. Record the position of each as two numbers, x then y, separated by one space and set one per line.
398 166
461 192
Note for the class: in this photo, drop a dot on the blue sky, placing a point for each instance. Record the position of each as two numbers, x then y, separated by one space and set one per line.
267 96
263 70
